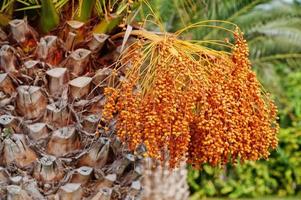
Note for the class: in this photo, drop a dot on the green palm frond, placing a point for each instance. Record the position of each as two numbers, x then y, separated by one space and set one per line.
265 14
36 4
85 10
6 9
49 16
110 12
5 6
265 45
4 19
272 27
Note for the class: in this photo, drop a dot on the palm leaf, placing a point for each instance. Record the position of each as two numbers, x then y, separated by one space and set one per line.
35 4
6 9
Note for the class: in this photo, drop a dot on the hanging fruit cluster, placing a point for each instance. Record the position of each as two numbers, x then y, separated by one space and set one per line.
185 101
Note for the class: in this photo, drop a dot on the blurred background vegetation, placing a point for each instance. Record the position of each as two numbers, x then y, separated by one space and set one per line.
273 31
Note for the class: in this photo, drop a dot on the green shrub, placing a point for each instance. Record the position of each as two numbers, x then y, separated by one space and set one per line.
280 175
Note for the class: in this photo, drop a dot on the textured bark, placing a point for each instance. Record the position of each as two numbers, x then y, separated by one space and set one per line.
17 193
97 42
37 131
69 44
101 77
6 84
20 30
49 49
48 170
58 115
3 175
63 141
97 155
82 175
161 183
73 34
8 59
16 151
31 103
106 182
31 187
77 62
57 79
3 35
31 67
90 123
134 191
120 165
80 87
103 194
71 191
10 122
51 100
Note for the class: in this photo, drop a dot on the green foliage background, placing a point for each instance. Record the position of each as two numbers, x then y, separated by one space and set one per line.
273 31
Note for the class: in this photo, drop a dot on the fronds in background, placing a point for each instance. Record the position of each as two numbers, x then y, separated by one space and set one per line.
272 30
6 10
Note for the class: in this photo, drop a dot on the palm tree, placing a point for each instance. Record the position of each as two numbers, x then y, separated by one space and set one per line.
53 142
57 79
49 83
